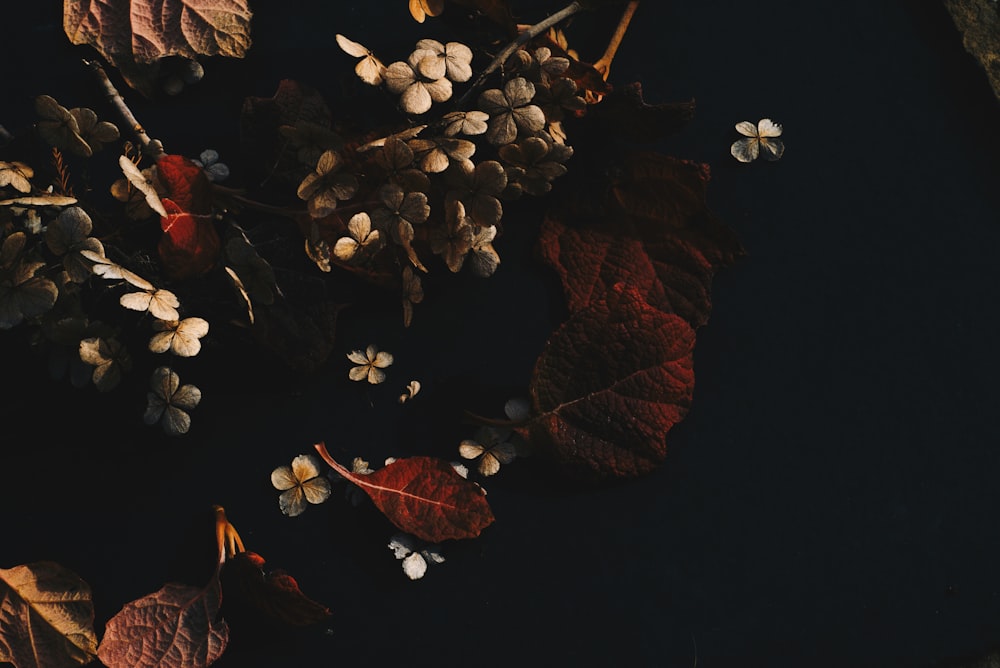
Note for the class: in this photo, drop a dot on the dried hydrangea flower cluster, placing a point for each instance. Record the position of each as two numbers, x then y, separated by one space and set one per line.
51 259
439 186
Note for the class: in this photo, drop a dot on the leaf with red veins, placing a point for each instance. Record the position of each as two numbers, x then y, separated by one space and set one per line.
274 595
190 245
609 385
423 496
591 260
663 199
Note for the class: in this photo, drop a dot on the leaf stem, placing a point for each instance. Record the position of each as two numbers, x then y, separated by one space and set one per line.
603 64
525 37
227 538
321 449
152 147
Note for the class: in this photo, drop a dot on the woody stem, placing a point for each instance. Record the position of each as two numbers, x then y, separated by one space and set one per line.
522 39
151 147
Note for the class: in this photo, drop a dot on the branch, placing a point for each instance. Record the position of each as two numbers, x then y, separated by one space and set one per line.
151 147
525 37
603 64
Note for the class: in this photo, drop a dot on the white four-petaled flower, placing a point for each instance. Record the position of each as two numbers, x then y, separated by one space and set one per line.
762 136
300 483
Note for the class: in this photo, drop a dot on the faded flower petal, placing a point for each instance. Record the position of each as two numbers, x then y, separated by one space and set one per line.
169 401
370 364
469 123
181 338
511 111
302 483
16 175
762 136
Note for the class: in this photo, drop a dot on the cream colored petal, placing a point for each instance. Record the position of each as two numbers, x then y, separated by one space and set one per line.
773 148
160 343
470 449
292 502
370 70
175 421
186 397
746 128
382 360
164 381
745 150
185 345
428 64
358 357
197 327
163 305
489 465
136 301
316 490
350 47
414 566
375 376
415 99
398 77
484 261
768 128
282 478
345 248
305 467
359 226
519 91
358 372
439 90
530 118
458 52
431 45
502 130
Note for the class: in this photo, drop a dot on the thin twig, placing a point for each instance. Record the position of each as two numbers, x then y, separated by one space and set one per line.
151 147
525 37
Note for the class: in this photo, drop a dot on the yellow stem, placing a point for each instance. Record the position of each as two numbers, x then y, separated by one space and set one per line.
603 64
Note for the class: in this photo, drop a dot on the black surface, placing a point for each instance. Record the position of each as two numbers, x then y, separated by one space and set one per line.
829 501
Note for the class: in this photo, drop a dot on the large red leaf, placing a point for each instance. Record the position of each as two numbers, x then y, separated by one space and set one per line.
175 627
423 496
186 183
611 382
275 595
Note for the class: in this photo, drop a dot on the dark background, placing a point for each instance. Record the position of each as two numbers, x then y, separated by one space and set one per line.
829 501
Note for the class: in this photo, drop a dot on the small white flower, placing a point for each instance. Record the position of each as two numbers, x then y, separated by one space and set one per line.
412 388
361 239
370 363
182 337
415 561
764 135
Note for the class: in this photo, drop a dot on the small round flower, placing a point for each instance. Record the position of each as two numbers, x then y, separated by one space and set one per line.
453 58
209 161
453 240
478 187
491 447
169 401
69 234
361 238
417 92
326 185
300 483
534 163
110 360
370 363
182 338
468 123
511 111
764 135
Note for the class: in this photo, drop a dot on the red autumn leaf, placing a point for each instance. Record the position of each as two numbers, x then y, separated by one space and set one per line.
175 627
46 617
423 496
610 383
652 229
274 595
179 625
132 33
186 183
190 244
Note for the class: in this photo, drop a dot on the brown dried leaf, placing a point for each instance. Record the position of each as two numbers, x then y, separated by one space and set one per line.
139 32
46 617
